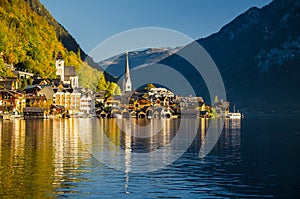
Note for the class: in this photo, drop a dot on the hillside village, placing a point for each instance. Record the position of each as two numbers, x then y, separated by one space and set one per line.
63 97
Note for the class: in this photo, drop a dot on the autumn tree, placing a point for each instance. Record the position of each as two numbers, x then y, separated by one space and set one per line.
112 89
101 86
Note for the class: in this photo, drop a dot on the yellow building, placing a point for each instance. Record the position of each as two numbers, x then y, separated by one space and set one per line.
69 98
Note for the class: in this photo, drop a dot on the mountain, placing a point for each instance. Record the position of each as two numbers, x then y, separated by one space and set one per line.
63 35
68 41
30 39
258 56
116 65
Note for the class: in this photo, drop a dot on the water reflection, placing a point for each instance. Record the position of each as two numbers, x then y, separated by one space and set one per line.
38 156
49 158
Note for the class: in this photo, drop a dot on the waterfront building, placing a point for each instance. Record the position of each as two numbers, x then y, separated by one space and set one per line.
20 103
7 100
87 104
34 113
112 102
68 98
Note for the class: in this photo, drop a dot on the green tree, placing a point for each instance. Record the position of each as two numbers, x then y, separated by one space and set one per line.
5 71
23 82
118 91
101 86
213 113
216 99
112 89
149 86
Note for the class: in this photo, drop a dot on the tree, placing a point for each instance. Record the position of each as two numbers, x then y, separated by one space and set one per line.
101 86
112 89
216 99
149 86
117 91
5 71
213 113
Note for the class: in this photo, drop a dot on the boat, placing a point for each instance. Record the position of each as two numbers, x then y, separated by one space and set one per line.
234 115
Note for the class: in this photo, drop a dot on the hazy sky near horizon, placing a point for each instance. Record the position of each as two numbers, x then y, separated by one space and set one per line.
90 22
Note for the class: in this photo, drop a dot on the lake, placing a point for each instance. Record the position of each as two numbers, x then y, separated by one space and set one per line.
109 158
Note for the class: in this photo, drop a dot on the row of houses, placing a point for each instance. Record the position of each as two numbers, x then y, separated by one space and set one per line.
63 97
52 100
152 103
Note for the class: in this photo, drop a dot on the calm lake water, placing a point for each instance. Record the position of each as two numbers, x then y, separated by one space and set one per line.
256 158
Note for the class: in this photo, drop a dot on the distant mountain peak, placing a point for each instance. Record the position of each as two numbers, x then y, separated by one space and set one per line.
142 58
258 55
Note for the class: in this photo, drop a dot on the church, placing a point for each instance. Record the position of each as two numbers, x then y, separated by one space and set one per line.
67 74
127 86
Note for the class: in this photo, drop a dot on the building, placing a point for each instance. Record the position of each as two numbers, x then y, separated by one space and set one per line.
46 91
60 66
67 74
71 77
7 100
87 104
160 92
127 86
10 83
68 98
34 113
112 102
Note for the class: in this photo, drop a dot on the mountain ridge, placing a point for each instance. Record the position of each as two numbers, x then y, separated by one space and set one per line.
115 65
258 56
64 36
30 43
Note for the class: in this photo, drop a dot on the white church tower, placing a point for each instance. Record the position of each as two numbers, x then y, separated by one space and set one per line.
127 80
60 66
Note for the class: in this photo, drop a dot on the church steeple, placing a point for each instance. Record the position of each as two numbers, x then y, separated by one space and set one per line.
60 66
127 80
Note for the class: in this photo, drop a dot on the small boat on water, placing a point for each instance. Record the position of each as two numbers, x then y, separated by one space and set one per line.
234 115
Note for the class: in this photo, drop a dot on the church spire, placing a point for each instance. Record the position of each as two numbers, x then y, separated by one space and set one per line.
127 80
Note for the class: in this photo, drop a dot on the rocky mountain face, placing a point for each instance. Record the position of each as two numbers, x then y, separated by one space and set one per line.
258 55
116 64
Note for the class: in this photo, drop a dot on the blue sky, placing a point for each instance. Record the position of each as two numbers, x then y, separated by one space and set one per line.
92 21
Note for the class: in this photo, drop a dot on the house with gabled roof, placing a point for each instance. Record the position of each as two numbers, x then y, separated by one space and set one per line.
68 98
10 83
7 100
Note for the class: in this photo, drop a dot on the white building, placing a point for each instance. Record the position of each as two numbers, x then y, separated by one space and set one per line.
60 66
161 92
67 74
87 104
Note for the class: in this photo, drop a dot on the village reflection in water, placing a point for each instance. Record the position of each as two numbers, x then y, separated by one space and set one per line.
46 157
37 157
